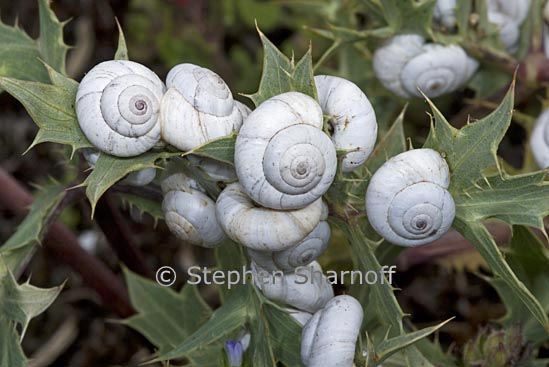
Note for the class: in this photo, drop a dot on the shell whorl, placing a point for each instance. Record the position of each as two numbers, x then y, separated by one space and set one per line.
197 108
407 201
539 140
407 65
282 157
301 254
262 228
329 337
292 289
189 213
118 107
352 118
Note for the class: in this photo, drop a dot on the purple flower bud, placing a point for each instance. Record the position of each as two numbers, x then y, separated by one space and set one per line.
234 352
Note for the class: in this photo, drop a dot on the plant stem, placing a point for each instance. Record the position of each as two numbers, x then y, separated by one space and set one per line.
64 245
119 235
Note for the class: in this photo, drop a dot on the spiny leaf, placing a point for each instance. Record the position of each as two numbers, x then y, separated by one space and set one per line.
470 150
164 317
143 205
285 335
109 169
11 353
30 231
388 347
409 16
281 75
224 321
21 303
221 149
53 49
52 109
122 50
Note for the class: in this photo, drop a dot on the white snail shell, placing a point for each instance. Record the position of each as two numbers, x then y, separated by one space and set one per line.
407 200
118 107
137 178
329 337
353 118
539 140
217 170
189 213
282 157
406 64
310 294
444 13
301 254
509 30
244 112
197 108
261 228
517 10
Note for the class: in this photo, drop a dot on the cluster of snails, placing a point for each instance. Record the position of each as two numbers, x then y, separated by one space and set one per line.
408 66
272 201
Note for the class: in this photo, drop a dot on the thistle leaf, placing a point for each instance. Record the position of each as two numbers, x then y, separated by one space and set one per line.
11 353
280 73
51 45
409 16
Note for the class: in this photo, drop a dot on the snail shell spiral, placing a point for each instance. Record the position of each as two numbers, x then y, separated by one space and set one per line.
407 201
301 254
282 157
118 107
290 289
261 228
539 140
197 108
406 64
352 118
189 213
329 337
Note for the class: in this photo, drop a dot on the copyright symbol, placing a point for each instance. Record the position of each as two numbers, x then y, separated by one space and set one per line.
165 276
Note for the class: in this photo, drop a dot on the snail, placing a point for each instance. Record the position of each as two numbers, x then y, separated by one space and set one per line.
244 112
142 177
189 213
307 289
118 107
261 228
283 159
517 10
197 108
444 13
329 337
539 140
407 200
407 65
301 254
507 16
353 119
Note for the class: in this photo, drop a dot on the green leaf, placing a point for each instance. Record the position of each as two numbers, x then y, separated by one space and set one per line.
143 205
31 230
409 16
51 107
388 347
21 56
224 321
11 353
163 316
524 199
470 150
21 303
285 335
122 50
109 169
260 343
280 73
221 149
51 46
229 257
